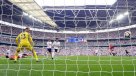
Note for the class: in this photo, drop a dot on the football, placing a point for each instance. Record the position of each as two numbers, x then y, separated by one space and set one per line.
127 34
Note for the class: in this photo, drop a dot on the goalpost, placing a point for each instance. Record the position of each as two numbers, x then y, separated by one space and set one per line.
86 50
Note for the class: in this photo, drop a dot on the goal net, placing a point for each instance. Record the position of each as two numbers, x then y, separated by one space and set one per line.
94 38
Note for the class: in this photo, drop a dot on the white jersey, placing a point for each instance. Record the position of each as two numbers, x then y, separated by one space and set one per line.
20 55
8 53
56 44
96 51
49 44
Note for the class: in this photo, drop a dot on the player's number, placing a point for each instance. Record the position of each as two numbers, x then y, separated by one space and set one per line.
23 36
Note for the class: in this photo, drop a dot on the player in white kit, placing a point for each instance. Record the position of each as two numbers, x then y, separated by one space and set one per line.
96 52
56 47
49 48
8 53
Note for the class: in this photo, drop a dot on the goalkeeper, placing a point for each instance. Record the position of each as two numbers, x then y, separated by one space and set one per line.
24 41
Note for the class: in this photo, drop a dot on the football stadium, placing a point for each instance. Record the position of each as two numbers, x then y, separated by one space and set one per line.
67 37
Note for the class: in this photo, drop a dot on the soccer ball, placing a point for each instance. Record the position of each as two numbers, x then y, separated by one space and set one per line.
127 34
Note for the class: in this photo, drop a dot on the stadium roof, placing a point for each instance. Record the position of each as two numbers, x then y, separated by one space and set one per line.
89 17
74 2
33 9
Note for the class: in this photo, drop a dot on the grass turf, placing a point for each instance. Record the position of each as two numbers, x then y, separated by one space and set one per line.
70 66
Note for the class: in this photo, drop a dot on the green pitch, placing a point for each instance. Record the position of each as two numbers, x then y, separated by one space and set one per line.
70 66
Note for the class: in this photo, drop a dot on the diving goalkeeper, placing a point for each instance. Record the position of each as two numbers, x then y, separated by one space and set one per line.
24 41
